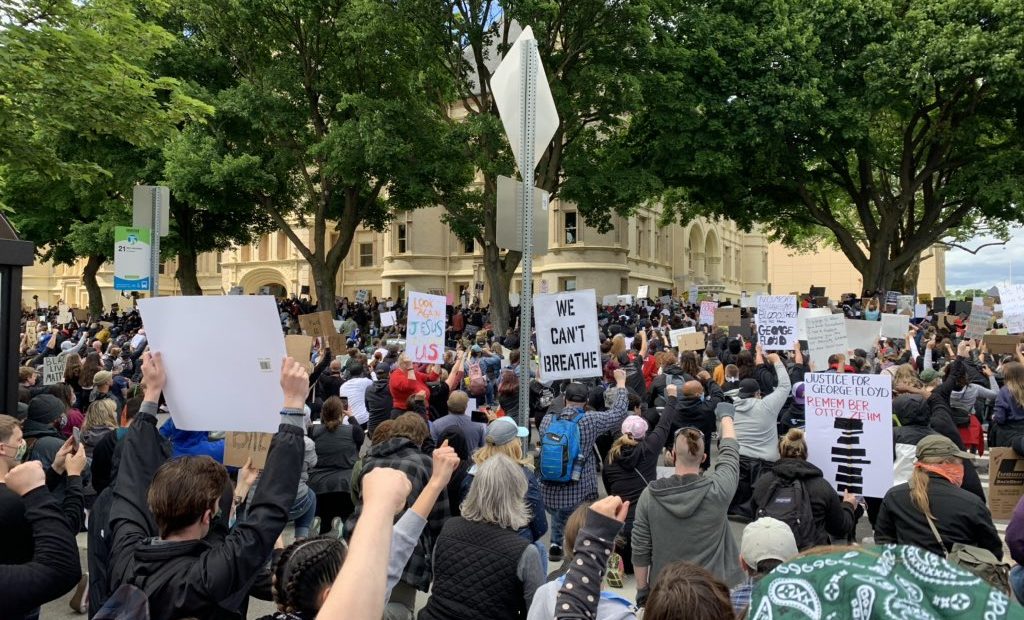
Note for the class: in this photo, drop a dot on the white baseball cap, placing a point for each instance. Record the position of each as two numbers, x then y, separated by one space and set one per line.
767 539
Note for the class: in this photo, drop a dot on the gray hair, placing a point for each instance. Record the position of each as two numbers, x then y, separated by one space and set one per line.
498 494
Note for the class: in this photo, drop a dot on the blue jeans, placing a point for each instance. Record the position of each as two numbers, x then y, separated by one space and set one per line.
1017 582
302 512
557 518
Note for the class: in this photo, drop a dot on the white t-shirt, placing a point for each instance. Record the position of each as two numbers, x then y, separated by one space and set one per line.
355 391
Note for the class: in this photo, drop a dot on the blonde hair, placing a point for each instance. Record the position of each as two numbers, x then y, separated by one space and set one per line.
906 376
1013 380
918 482
512 449
618 345
101 414
793 445
623 441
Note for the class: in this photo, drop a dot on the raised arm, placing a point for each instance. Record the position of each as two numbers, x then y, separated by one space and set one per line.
581 591
610 420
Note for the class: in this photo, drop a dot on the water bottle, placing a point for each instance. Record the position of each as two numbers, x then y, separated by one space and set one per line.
577 467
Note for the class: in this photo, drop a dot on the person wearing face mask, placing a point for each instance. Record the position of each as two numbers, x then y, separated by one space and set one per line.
46 416
932 498
23 510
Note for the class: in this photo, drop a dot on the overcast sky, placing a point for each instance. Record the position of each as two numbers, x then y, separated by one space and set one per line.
990 266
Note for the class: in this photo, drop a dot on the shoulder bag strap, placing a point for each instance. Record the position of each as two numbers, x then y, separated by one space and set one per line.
641 476
935 532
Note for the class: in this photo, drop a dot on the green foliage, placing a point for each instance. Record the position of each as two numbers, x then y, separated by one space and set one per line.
891 124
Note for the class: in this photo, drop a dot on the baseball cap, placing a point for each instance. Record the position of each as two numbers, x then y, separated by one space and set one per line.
798 393
939 446
577 393
103 377
767 539
634 426
748 388
504 430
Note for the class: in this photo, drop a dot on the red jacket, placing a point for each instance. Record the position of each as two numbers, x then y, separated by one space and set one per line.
402 387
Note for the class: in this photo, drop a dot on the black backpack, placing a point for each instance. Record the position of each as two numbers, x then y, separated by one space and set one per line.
788 501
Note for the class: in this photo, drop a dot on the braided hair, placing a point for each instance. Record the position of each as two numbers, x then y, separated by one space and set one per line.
302 572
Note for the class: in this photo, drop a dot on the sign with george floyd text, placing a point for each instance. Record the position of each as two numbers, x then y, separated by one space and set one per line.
567 336
776 322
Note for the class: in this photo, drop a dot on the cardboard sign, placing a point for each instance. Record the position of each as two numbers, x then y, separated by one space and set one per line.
924 298
1012 300
999 344
978 322
895 325
691 342
244 392
318 324
707 312
826 335
568 341
1005 481
239 447
388 319
776 322
32 332
849 430
338 343
725 317
425 328
80 314
53 369
862 334
298 348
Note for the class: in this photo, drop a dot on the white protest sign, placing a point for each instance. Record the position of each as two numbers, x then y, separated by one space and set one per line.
862 334
747 301
904 303
776 322
801 319
362 295
920 311
978 322
425 329
567 335
387 319
895 325
1012 301
624 300
673 335
707 312
826 335
610 300
63 314
244 394
849 430
642 291
53 369
694 293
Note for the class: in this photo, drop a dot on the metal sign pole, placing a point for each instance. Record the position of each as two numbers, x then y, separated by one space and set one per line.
528 106
154 247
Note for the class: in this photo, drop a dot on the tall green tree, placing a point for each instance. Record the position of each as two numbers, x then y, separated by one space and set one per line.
593 52
891 124
345 114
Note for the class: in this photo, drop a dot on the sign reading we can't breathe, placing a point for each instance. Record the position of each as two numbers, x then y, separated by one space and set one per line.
567 336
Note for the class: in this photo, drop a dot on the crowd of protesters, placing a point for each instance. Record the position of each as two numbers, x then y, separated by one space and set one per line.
404 480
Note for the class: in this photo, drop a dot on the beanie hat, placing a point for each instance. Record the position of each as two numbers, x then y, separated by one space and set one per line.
45 408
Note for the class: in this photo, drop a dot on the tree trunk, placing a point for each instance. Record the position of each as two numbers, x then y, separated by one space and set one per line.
326 282
906 281
186 275
499 274
92 266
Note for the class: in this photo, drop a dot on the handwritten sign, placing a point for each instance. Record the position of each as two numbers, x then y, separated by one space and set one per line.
776 322
691 342
895 325
978 322
826 335
239 447
425 328
362 296
567 336
904 303
53 369
642 291
707 312
862 334
318 324
801 319
724 317
849 430
1012 298
388 319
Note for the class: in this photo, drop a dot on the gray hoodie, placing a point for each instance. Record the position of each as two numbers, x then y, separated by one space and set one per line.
756 419
684 518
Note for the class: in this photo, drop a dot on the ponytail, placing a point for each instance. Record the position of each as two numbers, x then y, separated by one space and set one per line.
616 450
793 445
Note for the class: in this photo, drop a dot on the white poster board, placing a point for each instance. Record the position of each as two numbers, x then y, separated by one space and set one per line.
862 334
904 303
747 301
826 335
389 318
707 312
642 291
244 393
425 328
567 336
1012 300
53 369
801 319
610 300
895 325
849 430
776 322
920 311
694 293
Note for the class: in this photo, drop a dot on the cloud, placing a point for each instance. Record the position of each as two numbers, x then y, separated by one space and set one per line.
990 266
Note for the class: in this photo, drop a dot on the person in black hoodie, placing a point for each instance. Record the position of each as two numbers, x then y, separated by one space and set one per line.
181 570
633 462
697 409
671 373
378 397
832 516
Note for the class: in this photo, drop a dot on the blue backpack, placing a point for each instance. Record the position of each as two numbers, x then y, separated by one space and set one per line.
560 448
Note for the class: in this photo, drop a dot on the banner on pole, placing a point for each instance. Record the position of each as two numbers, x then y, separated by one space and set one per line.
131 258
425 328
567 336
849 430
